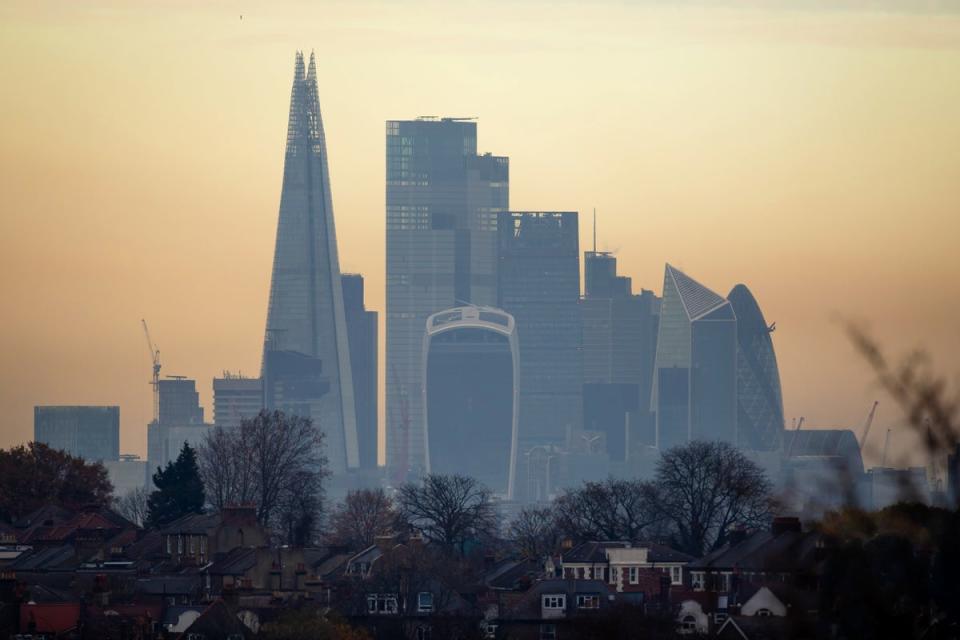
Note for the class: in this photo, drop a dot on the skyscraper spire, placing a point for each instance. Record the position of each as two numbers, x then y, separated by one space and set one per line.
305 318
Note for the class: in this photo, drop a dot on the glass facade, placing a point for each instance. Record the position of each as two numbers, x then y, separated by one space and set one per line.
470 374
759 398
362 333
91 433
442 200
694 391
305 314
539 276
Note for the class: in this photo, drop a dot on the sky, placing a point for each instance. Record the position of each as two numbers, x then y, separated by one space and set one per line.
812 154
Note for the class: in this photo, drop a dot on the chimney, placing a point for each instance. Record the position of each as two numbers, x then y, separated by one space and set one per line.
384 543
783 524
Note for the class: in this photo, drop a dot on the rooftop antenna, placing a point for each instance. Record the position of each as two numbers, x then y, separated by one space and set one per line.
594 229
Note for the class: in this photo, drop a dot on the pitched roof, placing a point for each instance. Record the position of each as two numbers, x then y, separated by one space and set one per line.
237 561
697 300
192 523
764 551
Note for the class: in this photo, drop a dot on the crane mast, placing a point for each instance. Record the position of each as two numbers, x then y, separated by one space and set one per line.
869 423
155 380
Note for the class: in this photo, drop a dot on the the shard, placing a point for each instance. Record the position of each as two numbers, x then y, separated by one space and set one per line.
306 363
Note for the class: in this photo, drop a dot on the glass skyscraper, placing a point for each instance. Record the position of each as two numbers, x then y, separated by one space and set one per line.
759 399
88 432
305 320
539 283
442 202
695 374
470 389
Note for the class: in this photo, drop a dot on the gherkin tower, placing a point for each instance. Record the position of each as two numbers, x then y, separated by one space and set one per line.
306 364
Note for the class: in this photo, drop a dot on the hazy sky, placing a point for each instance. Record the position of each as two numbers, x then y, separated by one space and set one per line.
813 155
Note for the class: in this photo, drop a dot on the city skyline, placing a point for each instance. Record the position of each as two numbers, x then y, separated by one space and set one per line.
837 248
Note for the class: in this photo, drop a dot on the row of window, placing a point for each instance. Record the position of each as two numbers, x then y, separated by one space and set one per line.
558 601
386 603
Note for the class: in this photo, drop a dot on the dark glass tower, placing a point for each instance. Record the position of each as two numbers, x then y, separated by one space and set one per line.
305 320
470 383
759 399
91 433
442 206
362 331
539 276
695 375
619 343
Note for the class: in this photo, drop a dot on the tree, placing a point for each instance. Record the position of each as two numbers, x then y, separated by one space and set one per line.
703 490
610 510
133 505
309 624
35 475
361 517
535 532
448 509
179 490
275 462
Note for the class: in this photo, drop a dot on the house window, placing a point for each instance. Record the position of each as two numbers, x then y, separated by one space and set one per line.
424 602
764 613
169 545
696 580
569 573
490 630
676 575
588 601
723 582
381 603
548 632
555 601
193 544
688 624
179 544
423 632
634 573
614 574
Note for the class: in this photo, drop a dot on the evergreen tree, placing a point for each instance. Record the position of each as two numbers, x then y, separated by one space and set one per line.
179 490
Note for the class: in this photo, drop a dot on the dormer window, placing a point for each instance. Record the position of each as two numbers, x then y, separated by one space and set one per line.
676 575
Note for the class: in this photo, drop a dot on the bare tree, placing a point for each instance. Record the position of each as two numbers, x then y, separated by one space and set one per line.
133 505
610 510
362 516
535 532
703 490
275 462
448 510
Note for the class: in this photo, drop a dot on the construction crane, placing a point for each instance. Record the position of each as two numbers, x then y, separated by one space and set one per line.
793 440
886 445
155 381
866 425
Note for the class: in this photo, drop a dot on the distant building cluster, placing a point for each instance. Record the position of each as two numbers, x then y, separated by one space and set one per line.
495 363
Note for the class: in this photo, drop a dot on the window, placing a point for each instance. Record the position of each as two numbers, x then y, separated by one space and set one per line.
696 580
688 624
180 544
490 630
676 575
634 574
548 632
723 582
424 602
614 574
423 632
169 545
764 613
381 603
193 544
555 601
588 601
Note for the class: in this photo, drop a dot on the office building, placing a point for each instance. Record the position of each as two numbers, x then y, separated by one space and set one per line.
181 421
759 399
619 343
362 334
235 398
91 433
470 394
539 285
127 474
695 372
442 202
305 314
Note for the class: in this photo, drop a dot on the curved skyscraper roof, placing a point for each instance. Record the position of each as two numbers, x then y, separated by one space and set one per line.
759 399
305 318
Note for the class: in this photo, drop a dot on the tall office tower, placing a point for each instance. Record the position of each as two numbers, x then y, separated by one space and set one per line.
91 433
305 315
695 373
619 343
442 205
235 398
181 421
470 394
759 399
539 283
362 334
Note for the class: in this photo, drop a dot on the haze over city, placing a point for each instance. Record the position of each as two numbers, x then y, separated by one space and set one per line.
812 154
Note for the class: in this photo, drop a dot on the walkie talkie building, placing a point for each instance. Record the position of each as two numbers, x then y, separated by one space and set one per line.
305 319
